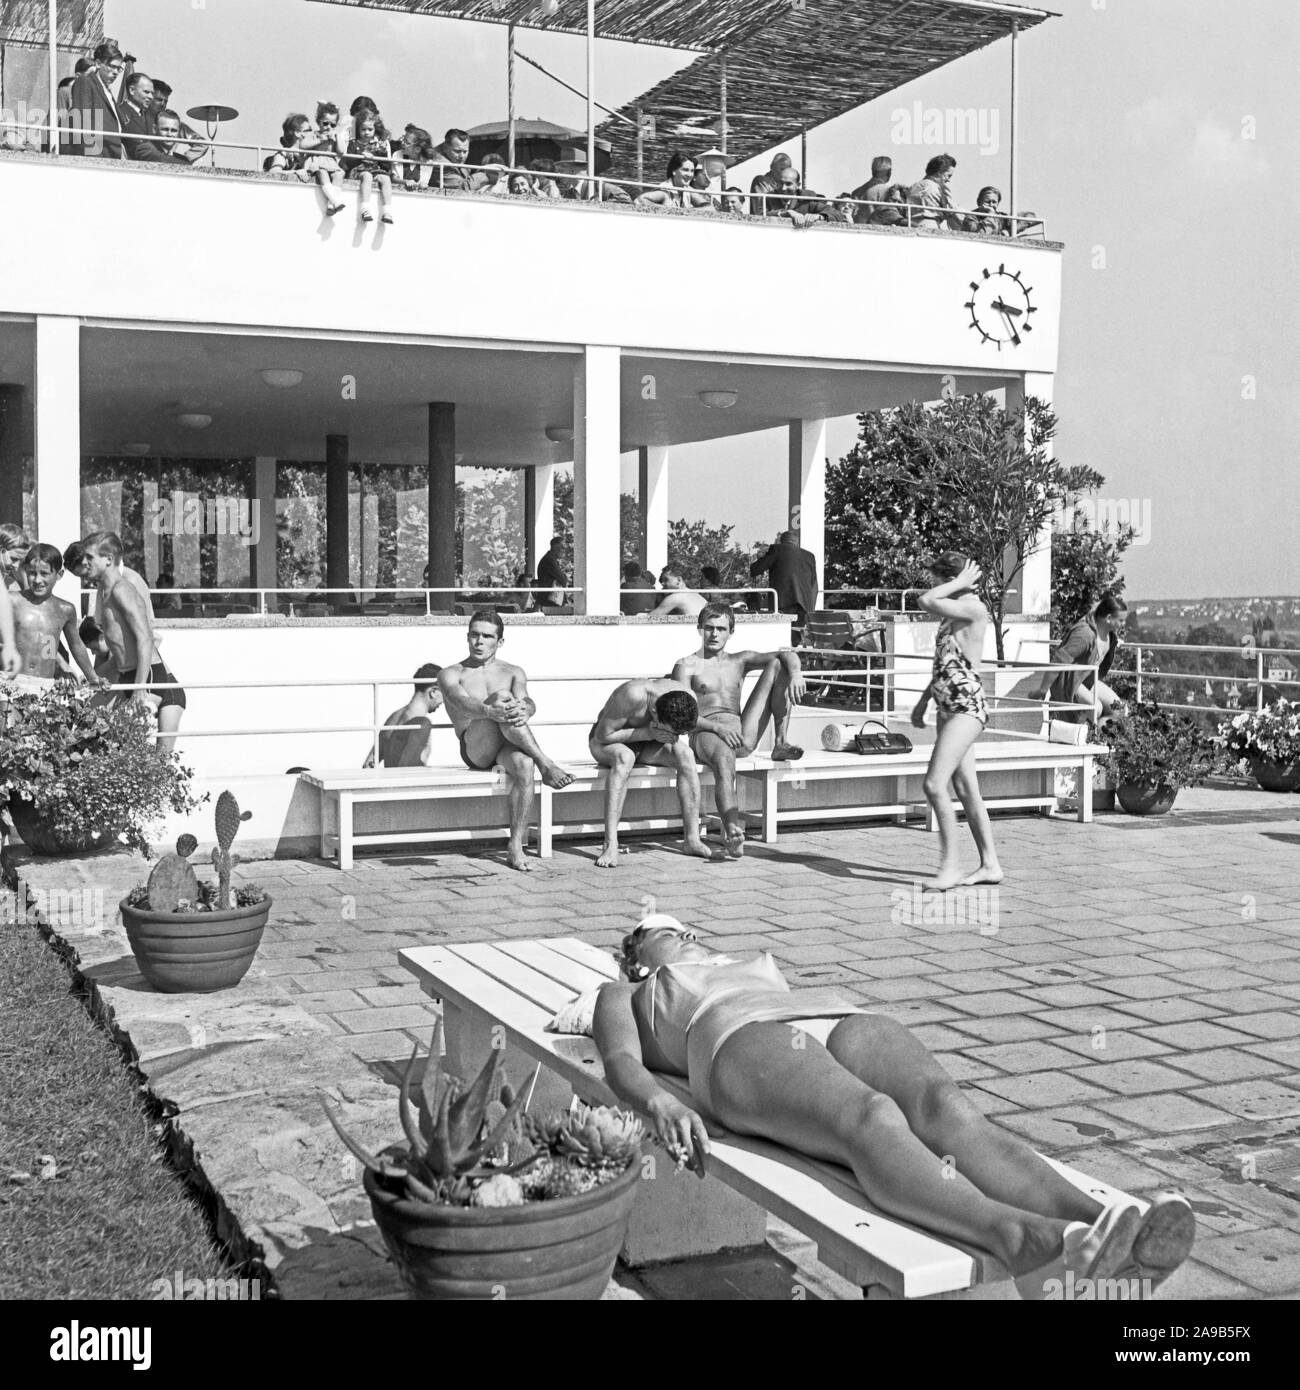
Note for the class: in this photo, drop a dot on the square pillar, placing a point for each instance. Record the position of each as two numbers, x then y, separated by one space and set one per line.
596 481
1035 596
652 499
265 572
337 475
58 437
13 434
807 488
442 503
539 513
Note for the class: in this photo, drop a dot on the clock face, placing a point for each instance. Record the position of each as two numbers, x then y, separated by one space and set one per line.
1000 307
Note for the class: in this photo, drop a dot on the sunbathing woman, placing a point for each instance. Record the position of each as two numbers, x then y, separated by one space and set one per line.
855 1088
958 695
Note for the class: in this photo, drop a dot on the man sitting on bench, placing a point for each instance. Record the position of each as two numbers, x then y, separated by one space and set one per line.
406 746
490 708
642 725
724 731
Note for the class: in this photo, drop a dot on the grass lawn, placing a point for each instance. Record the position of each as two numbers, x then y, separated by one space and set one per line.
114 1217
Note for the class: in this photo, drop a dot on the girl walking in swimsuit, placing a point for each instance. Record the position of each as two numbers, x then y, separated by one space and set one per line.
958 695
845 1086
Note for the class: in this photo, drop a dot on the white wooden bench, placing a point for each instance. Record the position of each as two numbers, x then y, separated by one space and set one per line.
503 993
342 790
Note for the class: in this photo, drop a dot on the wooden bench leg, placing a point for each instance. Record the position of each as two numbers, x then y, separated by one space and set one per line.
771 784
545 821
345 830
1085 791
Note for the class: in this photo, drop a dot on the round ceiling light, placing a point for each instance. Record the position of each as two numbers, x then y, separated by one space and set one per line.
138 449
193 419
281 377
719 400
559 434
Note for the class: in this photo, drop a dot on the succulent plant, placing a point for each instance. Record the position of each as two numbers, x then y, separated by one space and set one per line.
228 818
471 1146
450 1139
172 880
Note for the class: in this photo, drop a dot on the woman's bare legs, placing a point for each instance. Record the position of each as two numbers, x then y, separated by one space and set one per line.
770 1081
965 783
886 1057
957 732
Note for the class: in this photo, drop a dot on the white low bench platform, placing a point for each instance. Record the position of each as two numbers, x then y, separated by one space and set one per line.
342 790
503 993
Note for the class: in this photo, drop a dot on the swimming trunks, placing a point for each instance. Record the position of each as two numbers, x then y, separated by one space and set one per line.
469 762
686 1011
955 685
158 672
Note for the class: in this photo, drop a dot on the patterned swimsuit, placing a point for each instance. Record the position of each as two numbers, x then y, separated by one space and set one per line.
955 684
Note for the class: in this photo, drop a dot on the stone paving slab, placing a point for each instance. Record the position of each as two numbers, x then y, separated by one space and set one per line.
1145 1029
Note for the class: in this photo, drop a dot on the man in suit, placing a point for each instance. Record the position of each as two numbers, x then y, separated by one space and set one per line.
792 573
192 146
94 108
136 115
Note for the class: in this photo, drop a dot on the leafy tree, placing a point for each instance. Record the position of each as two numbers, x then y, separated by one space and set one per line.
694 544
1085 565
965 475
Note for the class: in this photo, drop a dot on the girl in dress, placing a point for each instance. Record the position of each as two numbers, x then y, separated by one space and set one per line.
328 144
958 695
367 160
296 146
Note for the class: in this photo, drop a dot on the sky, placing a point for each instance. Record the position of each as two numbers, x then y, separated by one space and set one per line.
1154 139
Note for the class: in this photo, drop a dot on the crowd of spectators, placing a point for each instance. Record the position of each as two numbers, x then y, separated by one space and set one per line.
329 150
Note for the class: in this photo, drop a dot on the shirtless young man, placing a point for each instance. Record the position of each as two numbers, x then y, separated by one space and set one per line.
128 629
40 618
642 725
409 746
489 706
724 730
677 597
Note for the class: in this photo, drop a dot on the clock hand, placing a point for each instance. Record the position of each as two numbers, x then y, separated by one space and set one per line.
1006 308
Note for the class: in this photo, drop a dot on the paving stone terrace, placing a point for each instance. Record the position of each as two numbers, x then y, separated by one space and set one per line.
1131 1008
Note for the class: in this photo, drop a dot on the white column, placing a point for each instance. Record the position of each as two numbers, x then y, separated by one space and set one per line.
58 436
265 569
1035 596
539 512
652 498
807 488
596 481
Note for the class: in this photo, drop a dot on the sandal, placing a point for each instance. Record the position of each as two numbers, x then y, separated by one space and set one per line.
1098 1251
367 216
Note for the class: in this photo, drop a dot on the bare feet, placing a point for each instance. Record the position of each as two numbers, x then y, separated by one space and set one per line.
697 847
786 753
949 876
733 836
986 873
515 858
608 857
555 776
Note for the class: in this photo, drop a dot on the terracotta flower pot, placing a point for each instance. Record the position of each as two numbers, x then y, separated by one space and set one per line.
1276 777
561 1249
43 835
1142 799
194 952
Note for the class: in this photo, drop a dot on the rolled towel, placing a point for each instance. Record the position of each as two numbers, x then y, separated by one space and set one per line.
836 738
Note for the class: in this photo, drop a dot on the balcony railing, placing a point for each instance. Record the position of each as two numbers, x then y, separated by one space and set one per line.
800 209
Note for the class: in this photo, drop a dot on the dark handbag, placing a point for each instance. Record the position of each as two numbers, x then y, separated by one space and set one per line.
880 743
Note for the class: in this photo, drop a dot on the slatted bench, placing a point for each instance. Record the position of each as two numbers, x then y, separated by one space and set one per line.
503 993
991 756
342 790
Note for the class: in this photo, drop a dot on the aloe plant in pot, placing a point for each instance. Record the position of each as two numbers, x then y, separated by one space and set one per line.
190 936
1154 754
485 1202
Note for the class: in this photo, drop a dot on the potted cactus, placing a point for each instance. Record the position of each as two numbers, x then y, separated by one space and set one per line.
486 1202
191 936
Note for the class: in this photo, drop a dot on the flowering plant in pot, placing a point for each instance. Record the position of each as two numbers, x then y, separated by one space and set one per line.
1154 754
190 936
82 774
483 1201
1269 740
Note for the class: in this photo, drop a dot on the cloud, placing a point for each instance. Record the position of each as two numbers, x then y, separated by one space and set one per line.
1156 118
1168 128
1227 151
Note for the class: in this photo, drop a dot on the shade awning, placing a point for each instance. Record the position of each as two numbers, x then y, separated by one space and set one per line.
80 23
789 67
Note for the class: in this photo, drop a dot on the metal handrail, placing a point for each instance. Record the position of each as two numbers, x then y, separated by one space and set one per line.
594 190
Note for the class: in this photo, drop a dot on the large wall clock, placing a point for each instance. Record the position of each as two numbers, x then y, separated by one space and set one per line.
1000 307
